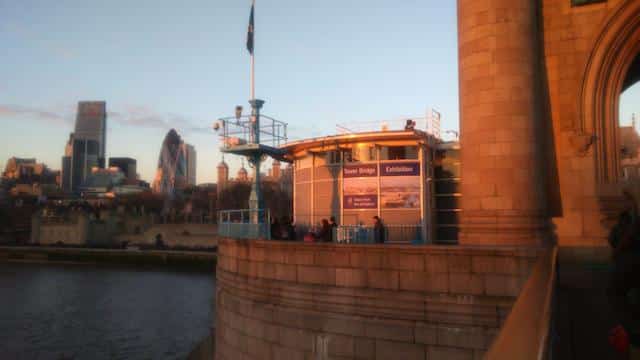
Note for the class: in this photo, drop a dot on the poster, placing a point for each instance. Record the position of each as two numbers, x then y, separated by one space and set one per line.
360 186
400 185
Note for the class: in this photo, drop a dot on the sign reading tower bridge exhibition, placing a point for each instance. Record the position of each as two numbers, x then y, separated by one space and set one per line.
399 186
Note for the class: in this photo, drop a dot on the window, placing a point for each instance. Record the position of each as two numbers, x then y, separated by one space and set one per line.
399 153
334 157
361 153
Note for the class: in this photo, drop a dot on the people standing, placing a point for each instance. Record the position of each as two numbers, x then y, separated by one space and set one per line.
378 230
324 235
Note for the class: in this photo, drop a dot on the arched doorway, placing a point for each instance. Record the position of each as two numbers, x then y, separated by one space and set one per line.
612 68
629 125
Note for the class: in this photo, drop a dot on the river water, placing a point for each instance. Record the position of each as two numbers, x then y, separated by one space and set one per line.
98 312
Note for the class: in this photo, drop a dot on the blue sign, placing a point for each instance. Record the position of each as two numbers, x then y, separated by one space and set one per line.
400 169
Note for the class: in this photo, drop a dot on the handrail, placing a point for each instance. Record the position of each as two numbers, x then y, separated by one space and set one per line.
525 333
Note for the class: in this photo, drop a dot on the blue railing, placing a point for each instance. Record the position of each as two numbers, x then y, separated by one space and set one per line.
358 234
244 224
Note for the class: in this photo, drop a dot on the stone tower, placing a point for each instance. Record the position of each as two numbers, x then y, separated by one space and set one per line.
502 177
223 176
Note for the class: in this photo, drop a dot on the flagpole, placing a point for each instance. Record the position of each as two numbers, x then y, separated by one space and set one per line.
253 63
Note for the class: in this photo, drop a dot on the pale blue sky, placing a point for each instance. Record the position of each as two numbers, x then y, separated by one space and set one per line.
162 64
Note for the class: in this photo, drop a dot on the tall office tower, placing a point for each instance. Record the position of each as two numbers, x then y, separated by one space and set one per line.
190 153
91 127
128 166
85 148
171 175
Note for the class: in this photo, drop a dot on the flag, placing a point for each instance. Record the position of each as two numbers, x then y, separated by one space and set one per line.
250 33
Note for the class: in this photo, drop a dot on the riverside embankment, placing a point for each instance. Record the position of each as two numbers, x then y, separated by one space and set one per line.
191 260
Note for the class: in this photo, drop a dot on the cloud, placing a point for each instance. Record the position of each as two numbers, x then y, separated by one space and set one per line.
140 116
129 115
44 115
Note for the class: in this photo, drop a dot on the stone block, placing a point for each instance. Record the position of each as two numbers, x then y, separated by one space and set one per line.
243 267
447 353
413 281
392 350
462 283
257 254
258 348
383 279
501 285
281 352
299 257
286 272
266 270
438 283
316 275
389 330
276 256
483 264
332 258
341 345
506 265
426 334
461 337
400 261
366 259
351 277
344 326
436 263
296 338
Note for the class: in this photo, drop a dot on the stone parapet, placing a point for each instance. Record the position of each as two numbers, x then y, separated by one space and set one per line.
279 300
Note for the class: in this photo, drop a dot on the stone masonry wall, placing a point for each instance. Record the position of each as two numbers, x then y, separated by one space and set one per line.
278 300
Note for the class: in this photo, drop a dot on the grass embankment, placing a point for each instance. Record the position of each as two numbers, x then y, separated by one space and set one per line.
192 260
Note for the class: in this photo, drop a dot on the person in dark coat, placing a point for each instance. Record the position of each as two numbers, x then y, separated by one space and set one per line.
324 235
276 230
378 230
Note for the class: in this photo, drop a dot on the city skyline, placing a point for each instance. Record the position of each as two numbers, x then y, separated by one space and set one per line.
316 65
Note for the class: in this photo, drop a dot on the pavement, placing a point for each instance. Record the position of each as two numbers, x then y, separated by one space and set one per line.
583 316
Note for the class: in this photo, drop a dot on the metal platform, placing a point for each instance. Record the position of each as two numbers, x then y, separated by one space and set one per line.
255 150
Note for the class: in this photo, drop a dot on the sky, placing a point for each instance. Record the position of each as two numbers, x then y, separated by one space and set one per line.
167 64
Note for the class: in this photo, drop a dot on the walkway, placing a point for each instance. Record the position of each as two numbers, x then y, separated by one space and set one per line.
584 317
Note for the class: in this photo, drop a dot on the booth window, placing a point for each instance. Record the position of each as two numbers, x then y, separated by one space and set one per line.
399 153
361 153
334 157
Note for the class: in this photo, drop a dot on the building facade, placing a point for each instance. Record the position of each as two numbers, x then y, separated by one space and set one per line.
190 154
355 177
86 146
128 166
171 175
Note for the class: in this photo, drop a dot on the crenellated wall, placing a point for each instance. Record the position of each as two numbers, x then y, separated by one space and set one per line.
280 300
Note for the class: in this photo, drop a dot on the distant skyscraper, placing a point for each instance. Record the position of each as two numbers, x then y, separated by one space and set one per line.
127 165
171 175
190 152
85 148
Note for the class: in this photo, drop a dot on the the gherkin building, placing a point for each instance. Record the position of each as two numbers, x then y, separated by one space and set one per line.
171 176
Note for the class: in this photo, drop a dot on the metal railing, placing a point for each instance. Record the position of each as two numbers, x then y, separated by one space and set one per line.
237 131
399 234
245 224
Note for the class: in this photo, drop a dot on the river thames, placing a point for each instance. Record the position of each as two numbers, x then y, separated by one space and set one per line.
50 311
